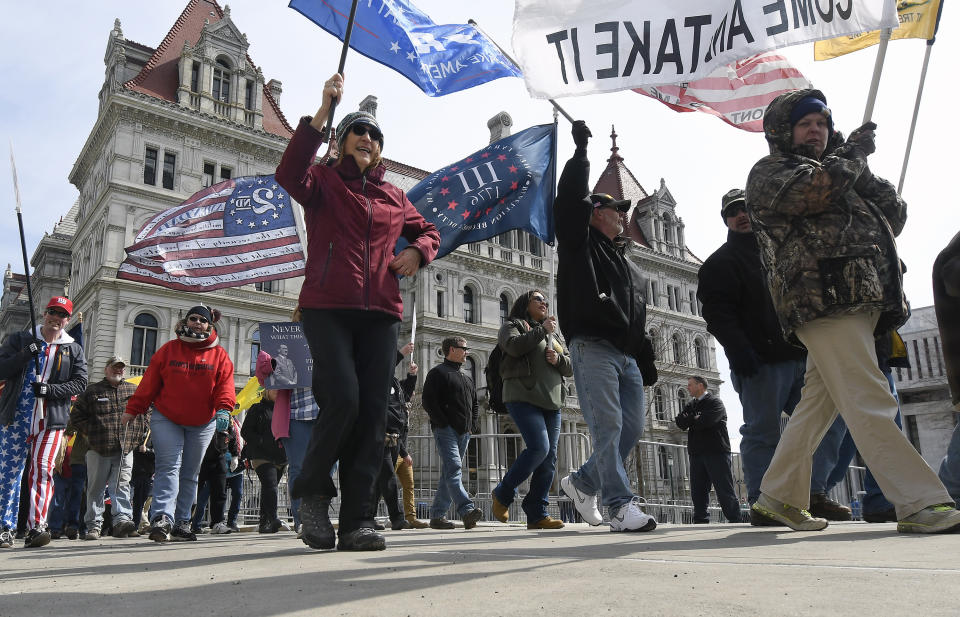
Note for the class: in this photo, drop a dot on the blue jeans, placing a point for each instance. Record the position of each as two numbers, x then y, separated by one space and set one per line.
296 448
235 486
775 388
67 498
610 390
107 471
950 466
538 461
874 500
179 450
452 447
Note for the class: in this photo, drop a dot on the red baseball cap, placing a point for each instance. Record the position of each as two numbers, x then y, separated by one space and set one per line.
61 303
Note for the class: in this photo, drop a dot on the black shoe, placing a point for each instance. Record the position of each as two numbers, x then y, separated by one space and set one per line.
881 516
759 520
315 522
160 529
71 532
124 529
181 533
822 506
56 534
470 518
441 523
400 523
269 526
36 538
363 539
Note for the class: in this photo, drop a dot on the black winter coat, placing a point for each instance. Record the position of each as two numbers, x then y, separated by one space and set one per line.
737 307
256 431
398 416
706 420
450 398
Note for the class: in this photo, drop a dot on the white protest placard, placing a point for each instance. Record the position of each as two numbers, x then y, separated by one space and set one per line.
576 47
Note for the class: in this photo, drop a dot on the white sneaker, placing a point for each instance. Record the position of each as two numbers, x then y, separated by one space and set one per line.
631 518
221 527
585 504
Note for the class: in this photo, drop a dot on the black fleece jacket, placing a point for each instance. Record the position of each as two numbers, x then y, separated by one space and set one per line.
450 398
706 419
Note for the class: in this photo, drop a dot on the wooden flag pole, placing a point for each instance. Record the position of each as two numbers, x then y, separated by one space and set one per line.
343 58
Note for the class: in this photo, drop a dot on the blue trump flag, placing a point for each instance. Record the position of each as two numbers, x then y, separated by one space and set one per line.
510 184
440 59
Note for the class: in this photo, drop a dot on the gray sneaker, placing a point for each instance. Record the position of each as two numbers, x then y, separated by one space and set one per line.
794 518
92 534
941 518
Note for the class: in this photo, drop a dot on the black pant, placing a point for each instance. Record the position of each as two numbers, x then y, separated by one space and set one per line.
142 488
713 468
354 354
213 472
387 484
269 475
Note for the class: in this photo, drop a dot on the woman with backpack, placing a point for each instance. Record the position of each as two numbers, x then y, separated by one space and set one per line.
533 366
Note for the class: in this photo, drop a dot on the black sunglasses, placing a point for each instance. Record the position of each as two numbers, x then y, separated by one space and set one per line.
58 313
734 210
463 348
363 129
197 318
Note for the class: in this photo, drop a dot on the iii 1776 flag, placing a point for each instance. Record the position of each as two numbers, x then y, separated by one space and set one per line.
507 185
440 59
233 233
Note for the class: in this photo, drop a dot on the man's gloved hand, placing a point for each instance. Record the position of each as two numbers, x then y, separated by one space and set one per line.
475 428
744 361
40 389
865 137
648 370
223 420
581 133
33 348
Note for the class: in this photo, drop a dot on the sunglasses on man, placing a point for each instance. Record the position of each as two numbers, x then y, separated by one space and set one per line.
57 313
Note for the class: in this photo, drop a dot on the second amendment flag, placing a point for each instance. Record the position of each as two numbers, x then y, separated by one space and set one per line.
575 47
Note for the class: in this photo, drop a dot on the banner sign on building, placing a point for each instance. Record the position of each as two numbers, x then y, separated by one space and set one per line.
576 47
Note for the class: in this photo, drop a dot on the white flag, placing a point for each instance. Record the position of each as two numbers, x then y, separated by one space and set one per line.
575 47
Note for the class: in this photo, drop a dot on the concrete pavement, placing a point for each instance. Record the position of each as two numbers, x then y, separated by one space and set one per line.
716 570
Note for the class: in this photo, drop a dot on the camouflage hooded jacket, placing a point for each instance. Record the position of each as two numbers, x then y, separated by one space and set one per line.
825 227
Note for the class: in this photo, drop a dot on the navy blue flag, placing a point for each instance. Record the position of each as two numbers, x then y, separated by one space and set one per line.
510 184
440 59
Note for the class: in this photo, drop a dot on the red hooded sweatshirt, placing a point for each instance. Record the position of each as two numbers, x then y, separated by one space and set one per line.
187 382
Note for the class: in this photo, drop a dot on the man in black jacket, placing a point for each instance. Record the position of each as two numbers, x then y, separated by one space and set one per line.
601 310
708 447
43 369
765 370
450 399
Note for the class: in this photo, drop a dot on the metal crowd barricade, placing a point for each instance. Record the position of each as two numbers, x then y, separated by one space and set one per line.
658 472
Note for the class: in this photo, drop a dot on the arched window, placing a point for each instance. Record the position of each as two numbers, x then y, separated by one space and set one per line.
469 312
659 405
254 351
221 81
144 339
678 349
700 350
504 308
681 399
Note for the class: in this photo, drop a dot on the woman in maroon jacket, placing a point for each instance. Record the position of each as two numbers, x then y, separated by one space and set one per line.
190 384
351 312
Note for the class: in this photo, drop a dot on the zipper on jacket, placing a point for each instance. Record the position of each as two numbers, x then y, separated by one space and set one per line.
326 264
366 247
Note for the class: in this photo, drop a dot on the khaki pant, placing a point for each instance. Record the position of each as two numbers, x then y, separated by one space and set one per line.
842 374
405 476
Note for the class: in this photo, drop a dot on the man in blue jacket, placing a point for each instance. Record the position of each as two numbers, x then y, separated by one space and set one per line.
43 370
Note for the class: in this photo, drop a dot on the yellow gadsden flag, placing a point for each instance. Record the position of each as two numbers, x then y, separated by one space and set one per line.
918 20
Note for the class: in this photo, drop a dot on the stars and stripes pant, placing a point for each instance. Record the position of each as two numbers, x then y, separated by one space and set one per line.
16 445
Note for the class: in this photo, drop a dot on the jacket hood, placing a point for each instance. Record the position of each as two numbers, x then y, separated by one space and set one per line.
778 130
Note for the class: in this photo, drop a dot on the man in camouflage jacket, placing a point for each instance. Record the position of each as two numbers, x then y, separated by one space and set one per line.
826 226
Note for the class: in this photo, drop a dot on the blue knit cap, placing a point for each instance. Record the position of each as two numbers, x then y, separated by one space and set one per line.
811 105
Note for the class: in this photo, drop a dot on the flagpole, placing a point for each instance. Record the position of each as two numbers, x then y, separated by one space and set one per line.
553 248
507 56
877 70
343 58
916 112
26 263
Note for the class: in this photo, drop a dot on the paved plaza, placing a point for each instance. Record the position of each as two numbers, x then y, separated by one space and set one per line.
849 569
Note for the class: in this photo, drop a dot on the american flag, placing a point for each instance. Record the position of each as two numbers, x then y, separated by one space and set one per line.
237 232
737 93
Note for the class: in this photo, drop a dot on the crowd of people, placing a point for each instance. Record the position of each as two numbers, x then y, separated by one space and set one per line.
805 296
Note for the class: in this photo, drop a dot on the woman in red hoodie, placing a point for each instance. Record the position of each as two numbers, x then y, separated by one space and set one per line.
190 384
351 312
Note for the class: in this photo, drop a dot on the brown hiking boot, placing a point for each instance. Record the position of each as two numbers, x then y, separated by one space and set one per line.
546 522
822 506
416 524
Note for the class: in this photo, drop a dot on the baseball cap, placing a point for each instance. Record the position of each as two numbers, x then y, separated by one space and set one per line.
61 303
602 200
116 360
731 198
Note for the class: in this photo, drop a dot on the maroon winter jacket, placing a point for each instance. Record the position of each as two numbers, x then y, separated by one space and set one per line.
353 223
